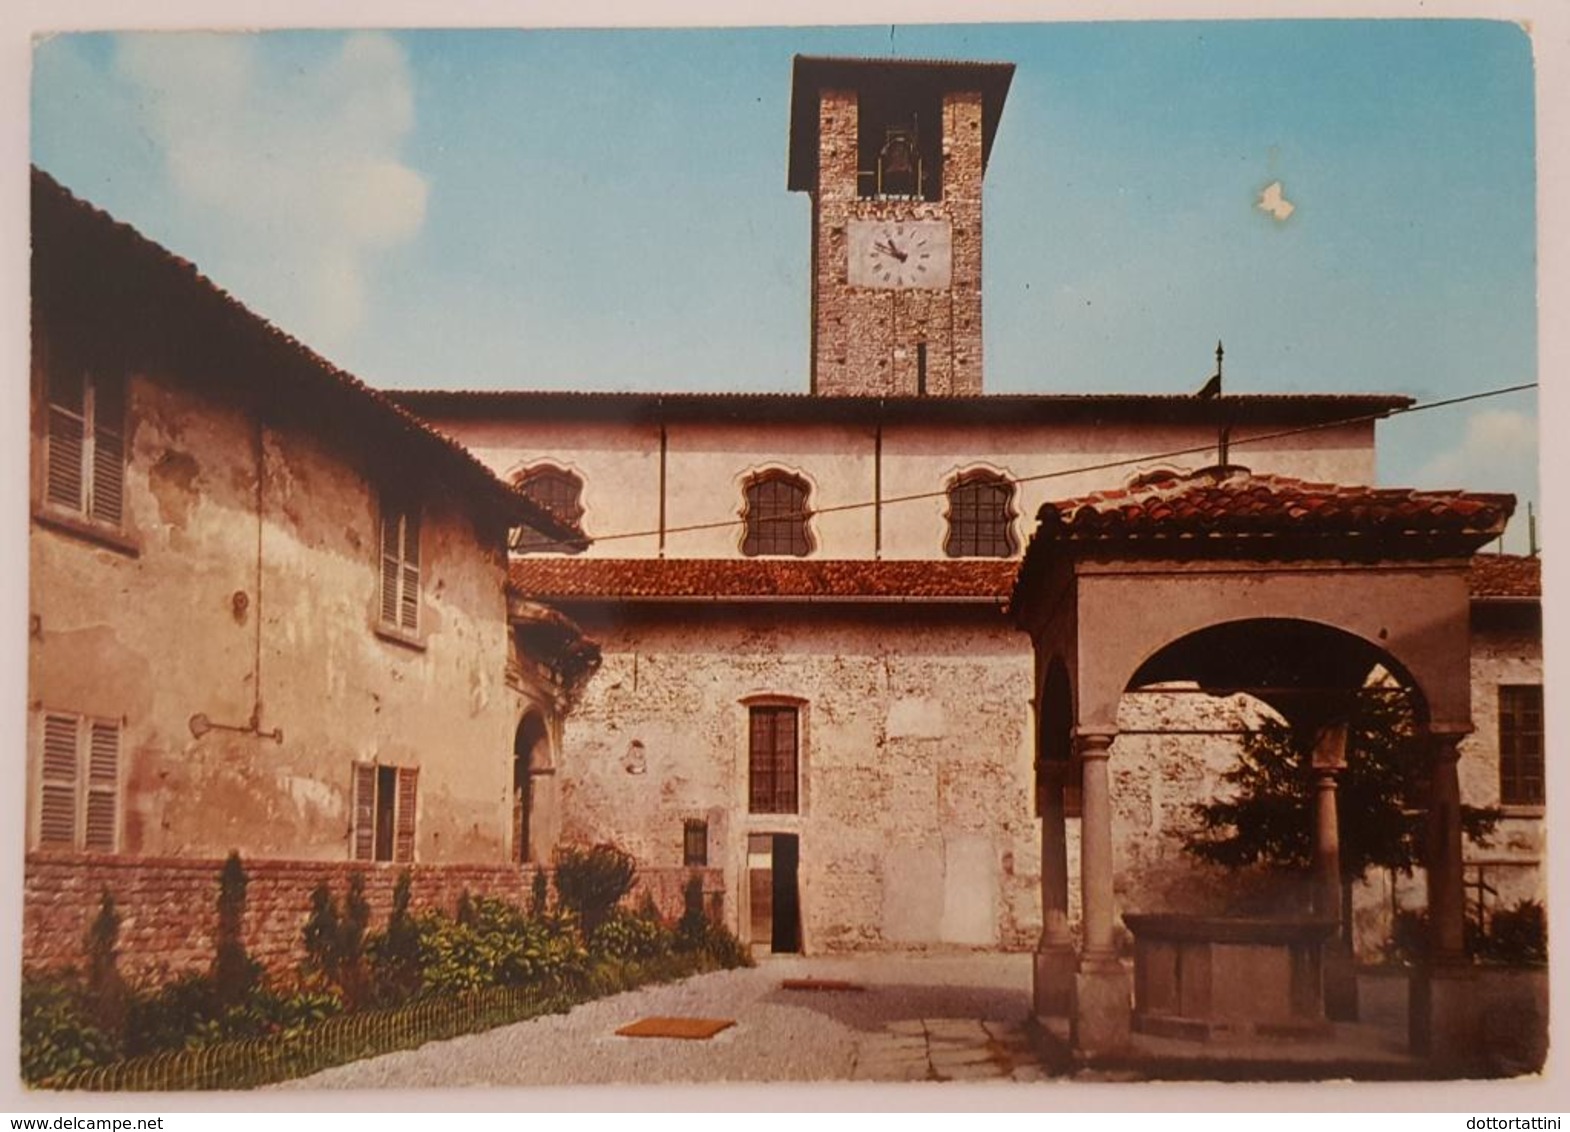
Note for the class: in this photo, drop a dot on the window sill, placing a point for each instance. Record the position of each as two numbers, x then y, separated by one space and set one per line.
399 637
1508 810
111 538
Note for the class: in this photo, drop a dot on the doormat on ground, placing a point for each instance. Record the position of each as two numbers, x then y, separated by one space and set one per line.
694 1029
821 984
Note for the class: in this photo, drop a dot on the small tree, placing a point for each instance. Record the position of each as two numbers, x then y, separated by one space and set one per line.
107 995
591 882
539 895
1269 819
234 971
351 941
395 954
322 932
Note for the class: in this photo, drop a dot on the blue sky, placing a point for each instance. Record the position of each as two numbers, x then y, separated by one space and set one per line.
607 209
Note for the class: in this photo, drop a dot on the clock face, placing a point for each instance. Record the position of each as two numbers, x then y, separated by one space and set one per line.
899 255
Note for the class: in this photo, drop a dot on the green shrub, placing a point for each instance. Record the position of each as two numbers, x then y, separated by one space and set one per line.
107 995
631 936
58 1034
393 955
322 932
235 973
696 932
1518 934
539 895
167 1017
591 882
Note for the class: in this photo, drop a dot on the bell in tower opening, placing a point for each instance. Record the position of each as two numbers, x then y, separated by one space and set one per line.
899 164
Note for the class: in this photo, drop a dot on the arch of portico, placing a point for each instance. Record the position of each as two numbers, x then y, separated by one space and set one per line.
1289 590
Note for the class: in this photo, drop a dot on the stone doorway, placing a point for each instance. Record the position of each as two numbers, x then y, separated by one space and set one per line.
773 861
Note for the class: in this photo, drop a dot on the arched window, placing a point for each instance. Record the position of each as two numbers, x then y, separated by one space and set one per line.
776 515
981 517
561 493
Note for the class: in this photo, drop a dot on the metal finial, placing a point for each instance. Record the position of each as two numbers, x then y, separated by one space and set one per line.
1220 353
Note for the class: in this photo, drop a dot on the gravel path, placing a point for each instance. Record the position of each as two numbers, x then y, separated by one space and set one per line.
917 1018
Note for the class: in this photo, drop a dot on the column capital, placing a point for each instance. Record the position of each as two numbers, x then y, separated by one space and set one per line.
1093 744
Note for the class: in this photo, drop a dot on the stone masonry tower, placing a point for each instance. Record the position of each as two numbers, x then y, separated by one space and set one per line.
892 152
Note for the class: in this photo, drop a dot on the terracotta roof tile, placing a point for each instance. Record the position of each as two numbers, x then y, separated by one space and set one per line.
1219 504
1507 576
87 261
838 579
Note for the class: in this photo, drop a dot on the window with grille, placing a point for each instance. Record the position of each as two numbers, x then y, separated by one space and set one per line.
84 461
560 493
1521 744
771 760
384 809
79 784
981 517
776 515
695 843
400 586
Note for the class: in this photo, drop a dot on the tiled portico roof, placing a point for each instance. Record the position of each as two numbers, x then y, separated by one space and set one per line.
1507 576
1232 503
763 578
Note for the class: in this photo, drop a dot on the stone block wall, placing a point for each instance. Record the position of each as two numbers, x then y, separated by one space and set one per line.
865 340
168 906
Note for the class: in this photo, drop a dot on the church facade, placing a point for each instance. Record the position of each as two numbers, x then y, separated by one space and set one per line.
809 680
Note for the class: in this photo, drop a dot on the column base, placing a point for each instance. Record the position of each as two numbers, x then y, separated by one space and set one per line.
1340 974
1103 1013
1052 982
1445 1018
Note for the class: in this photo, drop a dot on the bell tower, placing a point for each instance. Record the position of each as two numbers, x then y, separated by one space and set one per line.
892 153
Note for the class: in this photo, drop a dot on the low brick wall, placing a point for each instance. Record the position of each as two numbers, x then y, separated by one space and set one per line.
168 906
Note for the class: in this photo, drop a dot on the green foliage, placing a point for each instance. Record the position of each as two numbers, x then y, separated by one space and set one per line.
166 1017
539 897
107 994
393 955
697 933
1518 934
58 1034
322 932
1268 818
498 946
627 935
235 973
591 882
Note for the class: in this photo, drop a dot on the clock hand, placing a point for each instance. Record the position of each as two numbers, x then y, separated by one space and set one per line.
892 250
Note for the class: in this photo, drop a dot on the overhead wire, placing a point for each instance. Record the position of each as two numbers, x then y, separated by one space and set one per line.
1084 469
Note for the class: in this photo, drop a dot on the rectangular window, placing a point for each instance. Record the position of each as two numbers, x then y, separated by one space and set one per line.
695 843
400 605
84 456
384 809
771 760
79 784
1521 744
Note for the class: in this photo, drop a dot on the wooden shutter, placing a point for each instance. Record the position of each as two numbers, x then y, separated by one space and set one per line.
57 802
785 761
364 809
409 605
66 456
103 787
391 539
403 838
108 455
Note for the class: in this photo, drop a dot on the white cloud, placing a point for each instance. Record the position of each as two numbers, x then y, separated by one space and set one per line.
1497 453
296 165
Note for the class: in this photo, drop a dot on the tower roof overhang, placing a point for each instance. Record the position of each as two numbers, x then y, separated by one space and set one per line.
812 73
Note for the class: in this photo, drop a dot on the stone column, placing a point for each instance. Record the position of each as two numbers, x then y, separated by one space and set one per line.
1101 1008
1445 1022
1340 974
1053 983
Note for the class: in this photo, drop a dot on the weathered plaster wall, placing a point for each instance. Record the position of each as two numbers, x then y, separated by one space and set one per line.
168 906
218 613
708 462
915 817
